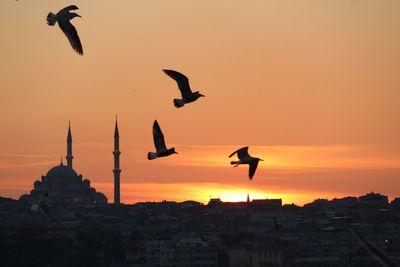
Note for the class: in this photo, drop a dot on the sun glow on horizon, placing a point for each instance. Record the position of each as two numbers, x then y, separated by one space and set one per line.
203 192
292 173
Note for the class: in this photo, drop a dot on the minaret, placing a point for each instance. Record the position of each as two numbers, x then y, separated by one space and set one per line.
116 170
69 156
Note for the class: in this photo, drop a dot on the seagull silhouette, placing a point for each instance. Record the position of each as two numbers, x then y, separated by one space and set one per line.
159 143
245 158
63 18
183 83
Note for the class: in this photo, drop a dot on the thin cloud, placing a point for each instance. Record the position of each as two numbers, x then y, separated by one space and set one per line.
25 165
15 155
291 157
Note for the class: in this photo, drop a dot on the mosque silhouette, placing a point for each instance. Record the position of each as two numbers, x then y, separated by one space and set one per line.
63 186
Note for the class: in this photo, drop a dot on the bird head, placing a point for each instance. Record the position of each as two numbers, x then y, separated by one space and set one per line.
76 15
173 151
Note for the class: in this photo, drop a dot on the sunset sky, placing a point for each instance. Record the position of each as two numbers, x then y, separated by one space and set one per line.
313 87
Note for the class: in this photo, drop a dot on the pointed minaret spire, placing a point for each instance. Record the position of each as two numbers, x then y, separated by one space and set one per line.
248 198
116 170
69 156
116 132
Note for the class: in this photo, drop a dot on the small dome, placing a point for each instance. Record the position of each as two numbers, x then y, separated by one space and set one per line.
100 198
86 184
61 171
24 198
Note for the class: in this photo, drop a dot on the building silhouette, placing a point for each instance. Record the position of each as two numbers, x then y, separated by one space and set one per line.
62 185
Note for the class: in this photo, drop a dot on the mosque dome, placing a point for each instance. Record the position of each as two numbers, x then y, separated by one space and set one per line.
61 171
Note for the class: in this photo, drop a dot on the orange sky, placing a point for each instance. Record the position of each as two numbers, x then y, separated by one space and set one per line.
311 86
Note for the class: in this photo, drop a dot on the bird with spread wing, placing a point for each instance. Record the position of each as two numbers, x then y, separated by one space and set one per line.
63 18
245 158
159 143
183 84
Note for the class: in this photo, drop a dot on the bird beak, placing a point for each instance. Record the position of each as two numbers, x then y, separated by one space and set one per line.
176 152
78 15
261 160
202 95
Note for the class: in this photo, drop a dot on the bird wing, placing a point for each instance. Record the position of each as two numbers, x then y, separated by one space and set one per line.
72 35
252 169
158 136
241 152
181 80
68 8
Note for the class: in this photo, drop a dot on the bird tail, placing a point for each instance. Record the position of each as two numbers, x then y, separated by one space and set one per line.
236 163
178 103
51 19
151 155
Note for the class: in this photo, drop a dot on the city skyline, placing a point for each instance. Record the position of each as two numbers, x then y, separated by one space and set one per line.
225 193
317 84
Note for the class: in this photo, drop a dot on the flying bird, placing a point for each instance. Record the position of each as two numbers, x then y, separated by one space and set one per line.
245 158
183 83
159 143
63 18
